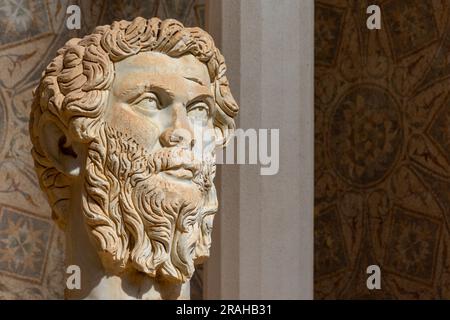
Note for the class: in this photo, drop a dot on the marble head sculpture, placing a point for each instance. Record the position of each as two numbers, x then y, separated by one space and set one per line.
124 124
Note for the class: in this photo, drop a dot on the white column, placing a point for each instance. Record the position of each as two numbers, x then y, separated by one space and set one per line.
263 232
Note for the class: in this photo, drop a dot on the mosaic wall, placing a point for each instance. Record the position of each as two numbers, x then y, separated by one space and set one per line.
382 140
31 247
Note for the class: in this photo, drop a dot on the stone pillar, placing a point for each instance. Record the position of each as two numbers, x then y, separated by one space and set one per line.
263 234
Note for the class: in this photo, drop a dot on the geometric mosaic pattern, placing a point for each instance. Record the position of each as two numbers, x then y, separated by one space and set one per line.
413 244
413 29
328 34
23 20
24 242
329 249
366 149
31 248
382 150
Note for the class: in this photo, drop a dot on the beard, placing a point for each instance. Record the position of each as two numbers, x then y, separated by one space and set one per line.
139 215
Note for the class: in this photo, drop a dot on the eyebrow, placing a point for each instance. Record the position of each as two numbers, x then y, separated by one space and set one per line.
139 89
195 80
205 96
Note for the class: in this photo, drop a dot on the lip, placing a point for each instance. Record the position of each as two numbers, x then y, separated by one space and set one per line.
180 173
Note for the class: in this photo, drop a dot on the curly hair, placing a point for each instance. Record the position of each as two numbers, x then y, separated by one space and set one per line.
74 88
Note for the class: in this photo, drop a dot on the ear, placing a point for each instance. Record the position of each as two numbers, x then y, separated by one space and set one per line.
65 155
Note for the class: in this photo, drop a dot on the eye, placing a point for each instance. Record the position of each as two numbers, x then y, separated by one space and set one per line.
198 112
147 103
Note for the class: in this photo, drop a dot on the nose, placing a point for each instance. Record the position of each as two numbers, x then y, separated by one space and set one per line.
180 132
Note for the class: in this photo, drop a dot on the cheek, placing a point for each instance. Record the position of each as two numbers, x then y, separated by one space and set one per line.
142 129
205 141
209 138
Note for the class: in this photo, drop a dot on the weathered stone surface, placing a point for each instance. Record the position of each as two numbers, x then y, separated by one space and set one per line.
124 125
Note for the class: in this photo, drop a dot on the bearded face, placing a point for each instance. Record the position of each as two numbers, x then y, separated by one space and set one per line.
125 120
149 197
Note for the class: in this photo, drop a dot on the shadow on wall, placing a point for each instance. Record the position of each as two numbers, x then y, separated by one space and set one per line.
382 141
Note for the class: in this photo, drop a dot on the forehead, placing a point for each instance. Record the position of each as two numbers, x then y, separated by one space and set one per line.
155 64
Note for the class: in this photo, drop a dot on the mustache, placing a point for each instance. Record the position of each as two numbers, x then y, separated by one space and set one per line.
174 158
203 170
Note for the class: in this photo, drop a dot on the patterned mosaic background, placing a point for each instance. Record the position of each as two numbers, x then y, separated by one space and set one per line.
31 247
382 162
